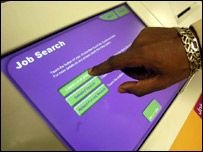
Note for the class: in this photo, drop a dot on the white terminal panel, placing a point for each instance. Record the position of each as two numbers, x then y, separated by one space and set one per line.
24 22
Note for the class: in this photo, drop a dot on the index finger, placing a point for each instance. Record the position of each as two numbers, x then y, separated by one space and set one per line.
116 62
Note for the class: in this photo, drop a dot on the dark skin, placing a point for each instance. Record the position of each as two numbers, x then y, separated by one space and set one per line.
156 58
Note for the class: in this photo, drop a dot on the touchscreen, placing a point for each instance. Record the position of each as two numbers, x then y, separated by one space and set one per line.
87 112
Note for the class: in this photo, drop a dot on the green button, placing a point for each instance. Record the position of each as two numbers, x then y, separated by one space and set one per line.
88 102
83 91
74 84
122 11
109 16
151 111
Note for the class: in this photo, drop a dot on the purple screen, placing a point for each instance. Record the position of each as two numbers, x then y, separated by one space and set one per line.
51 71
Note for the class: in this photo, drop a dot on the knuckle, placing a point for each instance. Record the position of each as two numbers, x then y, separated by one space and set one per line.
111 62
138 93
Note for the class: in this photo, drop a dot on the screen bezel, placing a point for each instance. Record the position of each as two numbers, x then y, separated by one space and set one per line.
68 26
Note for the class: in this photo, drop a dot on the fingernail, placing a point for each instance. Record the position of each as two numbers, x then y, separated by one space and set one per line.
90 71
121 90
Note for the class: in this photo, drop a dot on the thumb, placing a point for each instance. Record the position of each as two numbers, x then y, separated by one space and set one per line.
142 87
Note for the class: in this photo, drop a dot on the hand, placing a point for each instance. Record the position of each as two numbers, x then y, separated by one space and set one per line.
156 58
